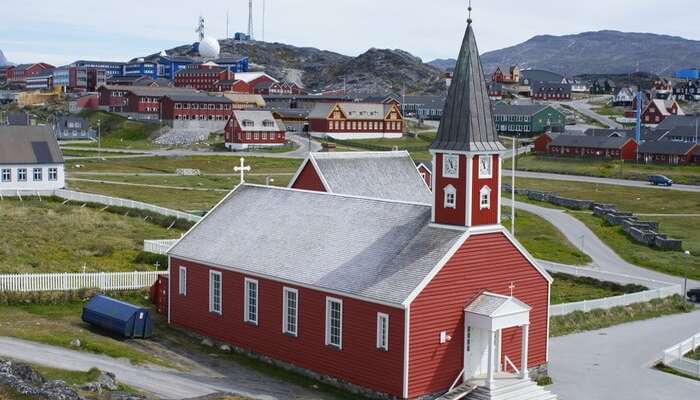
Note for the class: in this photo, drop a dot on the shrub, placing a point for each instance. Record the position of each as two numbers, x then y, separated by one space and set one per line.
145 257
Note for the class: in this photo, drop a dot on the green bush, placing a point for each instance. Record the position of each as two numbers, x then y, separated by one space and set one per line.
612 286
145 257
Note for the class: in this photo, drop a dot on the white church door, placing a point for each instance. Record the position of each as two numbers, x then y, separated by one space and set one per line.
476 352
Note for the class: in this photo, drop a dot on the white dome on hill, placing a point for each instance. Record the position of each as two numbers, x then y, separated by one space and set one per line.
209 48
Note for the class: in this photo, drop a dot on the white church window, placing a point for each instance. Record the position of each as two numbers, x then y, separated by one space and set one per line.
450 197
38 174
334 322
182 281
6 175
215 292
22 175
251 301
383 331
485 198
291 311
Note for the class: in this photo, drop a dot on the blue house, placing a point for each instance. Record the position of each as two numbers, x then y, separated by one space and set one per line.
111 68
688 73
139 67
233 64
169 65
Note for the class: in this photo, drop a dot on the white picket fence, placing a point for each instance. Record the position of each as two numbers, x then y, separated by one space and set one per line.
674 357
76 281
158 246
117 202
615 301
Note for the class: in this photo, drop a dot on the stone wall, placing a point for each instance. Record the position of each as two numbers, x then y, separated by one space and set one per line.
644 232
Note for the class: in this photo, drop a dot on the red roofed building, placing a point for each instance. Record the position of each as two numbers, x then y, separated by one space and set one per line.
17 75
253 128
359 274
202 77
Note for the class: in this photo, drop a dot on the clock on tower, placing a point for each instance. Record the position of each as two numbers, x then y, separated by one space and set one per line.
466 150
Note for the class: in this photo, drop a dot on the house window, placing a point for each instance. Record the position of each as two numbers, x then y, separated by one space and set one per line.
215 292
182 281
291 311
383 331
334 322
251 301
450 197
485 198
7 175
22 175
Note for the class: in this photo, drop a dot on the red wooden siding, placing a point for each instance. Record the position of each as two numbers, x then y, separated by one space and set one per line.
629 150
359 361
542 143
427 176
487 262
450 216
308 179
487 216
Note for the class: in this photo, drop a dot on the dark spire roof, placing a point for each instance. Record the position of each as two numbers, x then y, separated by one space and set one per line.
467 123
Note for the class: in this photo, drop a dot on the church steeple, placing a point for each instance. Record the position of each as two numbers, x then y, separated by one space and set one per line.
467 121
466 151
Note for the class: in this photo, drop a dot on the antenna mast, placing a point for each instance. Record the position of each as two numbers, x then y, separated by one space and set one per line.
250 18
200 28
263 22
227 24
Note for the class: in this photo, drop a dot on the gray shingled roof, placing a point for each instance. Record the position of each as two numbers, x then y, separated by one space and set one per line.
666 147
501 108
467 122
540 75
379 250
597 142
388 175
673 121
360 111
257 117
28 145
197 97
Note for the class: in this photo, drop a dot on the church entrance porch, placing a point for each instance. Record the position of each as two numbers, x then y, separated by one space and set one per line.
485 318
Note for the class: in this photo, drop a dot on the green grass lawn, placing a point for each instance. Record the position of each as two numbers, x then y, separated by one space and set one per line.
217 182
121 132
609 111
685 174
570 289
638 200
47 236
543 240
206 164
579 321
59 323
91 153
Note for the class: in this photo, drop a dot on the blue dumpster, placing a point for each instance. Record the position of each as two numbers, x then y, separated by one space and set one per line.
118 317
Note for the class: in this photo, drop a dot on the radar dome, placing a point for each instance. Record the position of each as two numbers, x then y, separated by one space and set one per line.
209 48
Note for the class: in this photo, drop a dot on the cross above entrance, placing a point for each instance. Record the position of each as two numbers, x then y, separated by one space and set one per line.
242 169
511 287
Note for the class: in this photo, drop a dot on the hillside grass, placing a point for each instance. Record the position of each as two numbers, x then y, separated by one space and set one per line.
580 321
682 174
543 240
684 226
570 289
121 132
48 236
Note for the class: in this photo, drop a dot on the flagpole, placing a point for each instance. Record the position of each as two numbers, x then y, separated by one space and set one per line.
512 188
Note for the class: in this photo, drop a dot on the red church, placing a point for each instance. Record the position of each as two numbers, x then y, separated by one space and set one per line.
404 295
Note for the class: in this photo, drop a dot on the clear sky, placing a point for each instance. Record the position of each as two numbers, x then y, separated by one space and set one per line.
61 31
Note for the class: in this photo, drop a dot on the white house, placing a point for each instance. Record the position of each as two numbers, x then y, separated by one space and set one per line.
30 160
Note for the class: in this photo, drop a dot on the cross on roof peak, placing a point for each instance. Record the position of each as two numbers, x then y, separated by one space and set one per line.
469 19
242 169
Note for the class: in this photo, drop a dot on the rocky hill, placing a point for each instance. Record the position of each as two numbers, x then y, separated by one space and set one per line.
603 52
377 70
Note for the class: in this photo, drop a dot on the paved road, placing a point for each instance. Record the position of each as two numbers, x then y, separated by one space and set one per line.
166 384
585 108
614 363
602 181
604 258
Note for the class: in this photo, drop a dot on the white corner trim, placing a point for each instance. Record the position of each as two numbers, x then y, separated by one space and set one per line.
406 350
436 269
468 192
500 190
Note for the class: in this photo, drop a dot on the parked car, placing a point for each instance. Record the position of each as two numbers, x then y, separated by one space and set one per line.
660 180
694 295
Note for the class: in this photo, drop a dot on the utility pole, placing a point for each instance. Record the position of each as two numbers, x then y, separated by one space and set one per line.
263 22
227 36
685 280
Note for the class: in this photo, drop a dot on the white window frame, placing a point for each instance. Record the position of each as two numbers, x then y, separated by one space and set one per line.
247 301
21 174
484 175
450 190
182 281
485 191
285 311
6 175
212 309
37 174
383 331
329 342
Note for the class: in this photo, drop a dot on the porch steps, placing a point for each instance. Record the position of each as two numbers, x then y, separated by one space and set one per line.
519 390
458 393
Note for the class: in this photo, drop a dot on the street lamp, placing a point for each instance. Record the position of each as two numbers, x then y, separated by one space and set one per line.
269 180
685 281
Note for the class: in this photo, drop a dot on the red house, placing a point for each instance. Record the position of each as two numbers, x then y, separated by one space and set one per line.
657 110
356 120
196 110
406 299
232 85
267 88
17 75
202 77
253 128
426 172
602 147
253 79
667 152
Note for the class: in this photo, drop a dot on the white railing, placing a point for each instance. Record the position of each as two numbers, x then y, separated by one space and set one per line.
674 357
117 202
615 301
76 281
158 246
